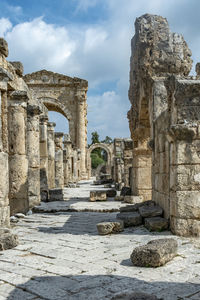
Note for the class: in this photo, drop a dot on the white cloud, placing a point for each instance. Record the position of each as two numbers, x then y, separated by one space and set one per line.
5 26
40 45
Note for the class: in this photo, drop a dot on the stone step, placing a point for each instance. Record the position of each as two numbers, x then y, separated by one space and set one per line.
156 224
135 207
150 211
130 218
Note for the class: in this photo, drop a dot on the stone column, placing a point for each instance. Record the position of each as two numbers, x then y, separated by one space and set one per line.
51 154
4 173
142 165
33 151
59 176
43 158
18 162
81 129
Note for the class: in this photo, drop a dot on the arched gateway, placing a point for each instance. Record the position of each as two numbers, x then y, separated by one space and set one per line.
66 95
109 150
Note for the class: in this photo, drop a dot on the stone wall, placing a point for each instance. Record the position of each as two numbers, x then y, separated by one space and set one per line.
164 122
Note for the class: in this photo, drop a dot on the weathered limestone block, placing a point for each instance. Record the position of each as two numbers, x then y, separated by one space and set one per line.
33 186
111 193
7 240
156 224
150 211
185 227
19 68
134 296
155 253
135 207
98 196
56 195
133 199
3 47
197 69
110 227
18 184
5 215
130 218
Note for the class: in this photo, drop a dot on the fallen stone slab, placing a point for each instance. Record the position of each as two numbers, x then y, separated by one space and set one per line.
110 227
135 207
111 193
150 211
119 198
155 253
56 195
98 196
8 240
135 296
130 218
156 224
133 199
126 191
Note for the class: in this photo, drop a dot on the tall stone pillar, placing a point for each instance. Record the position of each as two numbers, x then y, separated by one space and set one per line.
43 158
4 172
33 151
18 162
59 176
81 129
66 158
51 154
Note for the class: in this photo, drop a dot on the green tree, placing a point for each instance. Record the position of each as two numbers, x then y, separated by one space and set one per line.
108 140
96 160
95 137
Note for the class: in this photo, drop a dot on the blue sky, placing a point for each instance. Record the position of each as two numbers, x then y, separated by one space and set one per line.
90 39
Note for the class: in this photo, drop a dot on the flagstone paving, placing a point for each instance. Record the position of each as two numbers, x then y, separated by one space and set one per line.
61 256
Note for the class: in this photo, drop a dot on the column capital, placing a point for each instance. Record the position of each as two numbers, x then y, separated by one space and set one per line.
19 95
51 125
33 110
43 119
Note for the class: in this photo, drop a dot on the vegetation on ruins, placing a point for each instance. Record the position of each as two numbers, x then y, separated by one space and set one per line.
99 156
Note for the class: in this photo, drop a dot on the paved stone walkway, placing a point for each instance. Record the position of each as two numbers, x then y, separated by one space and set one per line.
60 256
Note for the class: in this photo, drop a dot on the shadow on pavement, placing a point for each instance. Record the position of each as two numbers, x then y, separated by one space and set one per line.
99 287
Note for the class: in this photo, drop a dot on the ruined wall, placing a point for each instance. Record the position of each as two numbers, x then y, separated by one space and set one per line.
163 121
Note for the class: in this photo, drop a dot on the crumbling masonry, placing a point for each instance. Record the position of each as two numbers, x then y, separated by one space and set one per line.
34 159
165 123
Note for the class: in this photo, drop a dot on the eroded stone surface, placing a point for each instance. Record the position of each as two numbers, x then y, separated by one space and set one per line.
156 224
110 227
150 211
155 253
130 218
98 196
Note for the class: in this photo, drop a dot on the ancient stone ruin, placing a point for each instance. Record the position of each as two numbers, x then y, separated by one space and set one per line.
35 159
164 122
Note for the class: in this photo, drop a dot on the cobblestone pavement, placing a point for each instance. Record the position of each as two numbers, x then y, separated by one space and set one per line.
61 256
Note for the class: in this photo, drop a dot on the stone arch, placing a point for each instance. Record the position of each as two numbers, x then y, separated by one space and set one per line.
107 148
67 96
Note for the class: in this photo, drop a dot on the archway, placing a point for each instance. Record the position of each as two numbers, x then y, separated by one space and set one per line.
108 161
66 95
